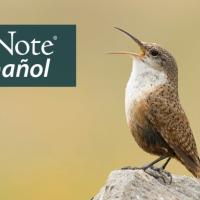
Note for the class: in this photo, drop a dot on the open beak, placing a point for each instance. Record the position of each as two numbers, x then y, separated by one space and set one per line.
140 43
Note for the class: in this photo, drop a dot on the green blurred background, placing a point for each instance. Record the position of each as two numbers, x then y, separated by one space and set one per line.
61 143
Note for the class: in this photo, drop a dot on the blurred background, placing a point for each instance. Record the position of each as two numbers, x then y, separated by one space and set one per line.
61 143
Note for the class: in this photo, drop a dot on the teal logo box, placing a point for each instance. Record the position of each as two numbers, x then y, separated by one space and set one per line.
38 55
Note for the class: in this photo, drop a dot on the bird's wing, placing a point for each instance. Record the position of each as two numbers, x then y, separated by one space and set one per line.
171 122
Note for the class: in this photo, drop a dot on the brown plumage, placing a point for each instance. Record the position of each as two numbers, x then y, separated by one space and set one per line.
160 126
153 110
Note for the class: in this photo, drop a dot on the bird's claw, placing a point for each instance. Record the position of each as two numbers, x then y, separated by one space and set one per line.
159 173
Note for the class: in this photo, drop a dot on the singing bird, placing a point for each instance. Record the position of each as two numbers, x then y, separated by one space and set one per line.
154 114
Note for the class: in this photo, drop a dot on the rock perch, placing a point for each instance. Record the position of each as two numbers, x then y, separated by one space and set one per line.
138 185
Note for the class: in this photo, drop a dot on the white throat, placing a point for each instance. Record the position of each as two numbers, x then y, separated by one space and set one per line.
143 79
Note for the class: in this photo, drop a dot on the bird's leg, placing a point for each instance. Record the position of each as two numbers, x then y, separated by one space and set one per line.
147 166
152 170
166 163
154 162
160 170
166 172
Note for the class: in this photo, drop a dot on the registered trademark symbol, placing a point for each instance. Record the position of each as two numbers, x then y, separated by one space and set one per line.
55 37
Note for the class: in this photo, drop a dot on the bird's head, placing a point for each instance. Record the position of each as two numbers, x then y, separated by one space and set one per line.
153 55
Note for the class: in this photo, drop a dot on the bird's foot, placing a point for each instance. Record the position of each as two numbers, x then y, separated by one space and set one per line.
156 172
159 173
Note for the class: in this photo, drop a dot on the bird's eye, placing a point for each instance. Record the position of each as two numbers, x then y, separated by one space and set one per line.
154 52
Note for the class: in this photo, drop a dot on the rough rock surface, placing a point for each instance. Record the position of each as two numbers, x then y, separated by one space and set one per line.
138 185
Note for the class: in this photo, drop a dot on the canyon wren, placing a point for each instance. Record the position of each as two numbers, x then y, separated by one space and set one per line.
154 114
